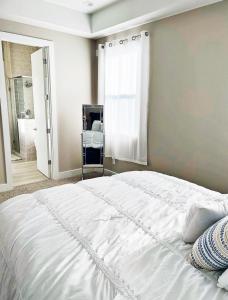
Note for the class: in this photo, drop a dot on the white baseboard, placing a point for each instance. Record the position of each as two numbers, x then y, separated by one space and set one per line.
5 187
68 174
109 172
77 172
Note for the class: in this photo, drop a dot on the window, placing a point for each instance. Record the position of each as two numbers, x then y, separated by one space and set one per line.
125 79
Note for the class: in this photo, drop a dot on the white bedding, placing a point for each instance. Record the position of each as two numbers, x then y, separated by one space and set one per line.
108 238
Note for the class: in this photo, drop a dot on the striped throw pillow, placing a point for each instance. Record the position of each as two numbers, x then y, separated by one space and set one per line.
210 251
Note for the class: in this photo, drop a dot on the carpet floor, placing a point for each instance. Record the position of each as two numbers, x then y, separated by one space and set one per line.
32 187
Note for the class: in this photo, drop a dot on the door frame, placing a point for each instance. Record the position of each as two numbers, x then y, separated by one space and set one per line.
36 42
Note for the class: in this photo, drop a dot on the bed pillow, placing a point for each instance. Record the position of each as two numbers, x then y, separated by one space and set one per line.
223 280
200 218
210 251
96 125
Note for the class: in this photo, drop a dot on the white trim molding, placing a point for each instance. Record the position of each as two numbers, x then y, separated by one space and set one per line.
69 174
30 41
78 172
110 172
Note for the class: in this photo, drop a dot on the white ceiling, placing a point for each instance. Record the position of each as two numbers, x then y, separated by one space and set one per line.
84 6
104 17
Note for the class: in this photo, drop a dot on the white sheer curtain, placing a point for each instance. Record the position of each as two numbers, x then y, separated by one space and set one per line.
123 81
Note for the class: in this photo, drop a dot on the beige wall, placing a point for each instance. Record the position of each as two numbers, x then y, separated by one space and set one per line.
2 162
17 59
73 60
188 104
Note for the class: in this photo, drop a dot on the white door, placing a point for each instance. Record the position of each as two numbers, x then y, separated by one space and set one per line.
39 80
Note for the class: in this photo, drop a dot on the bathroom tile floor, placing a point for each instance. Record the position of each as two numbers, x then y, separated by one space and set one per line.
25 172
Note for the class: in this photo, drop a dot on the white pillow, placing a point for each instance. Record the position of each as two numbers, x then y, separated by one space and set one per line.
223 280
96 126
199 218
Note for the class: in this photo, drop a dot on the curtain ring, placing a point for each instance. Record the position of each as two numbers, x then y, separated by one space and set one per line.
110 44
121 41
133 38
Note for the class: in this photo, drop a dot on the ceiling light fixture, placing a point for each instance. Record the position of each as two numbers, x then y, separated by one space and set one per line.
88 3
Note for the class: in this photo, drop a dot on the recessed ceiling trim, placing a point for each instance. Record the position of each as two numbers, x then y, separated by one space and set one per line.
46 15
115 18
84 6
142 11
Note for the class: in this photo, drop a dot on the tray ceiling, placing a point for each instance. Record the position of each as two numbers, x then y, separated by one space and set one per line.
85 6
94 18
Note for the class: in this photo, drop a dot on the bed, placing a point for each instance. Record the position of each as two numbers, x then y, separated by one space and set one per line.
107 238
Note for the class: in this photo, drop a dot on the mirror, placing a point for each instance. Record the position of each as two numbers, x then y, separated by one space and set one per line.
92 117
92 137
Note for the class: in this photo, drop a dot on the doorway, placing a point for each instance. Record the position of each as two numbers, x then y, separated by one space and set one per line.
29 130
25 86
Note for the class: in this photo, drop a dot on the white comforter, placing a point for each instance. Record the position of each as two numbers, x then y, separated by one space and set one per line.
108 238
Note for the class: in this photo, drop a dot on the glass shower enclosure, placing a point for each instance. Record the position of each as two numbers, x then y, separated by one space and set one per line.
20 106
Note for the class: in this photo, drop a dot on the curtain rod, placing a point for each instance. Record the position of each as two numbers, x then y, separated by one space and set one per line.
134 37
